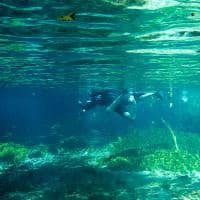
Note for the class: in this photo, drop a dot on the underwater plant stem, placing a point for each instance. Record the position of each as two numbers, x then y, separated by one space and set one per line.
172 134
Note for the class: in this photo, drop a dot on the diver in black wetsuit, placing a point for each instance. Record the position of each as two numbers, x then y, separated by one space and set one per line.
124 103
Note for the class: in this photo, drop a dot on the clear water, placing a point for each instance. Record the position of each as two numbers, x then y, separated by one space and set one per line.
106 45
47 65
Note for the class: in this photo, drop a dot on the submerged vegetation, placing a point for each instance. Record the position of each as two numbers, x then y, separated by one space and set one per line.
154 150
78 172
139 150
171 160
12 152
155 139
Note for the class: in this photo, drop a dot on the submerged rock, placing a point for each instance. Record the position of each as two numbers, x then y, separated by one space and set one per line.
38 151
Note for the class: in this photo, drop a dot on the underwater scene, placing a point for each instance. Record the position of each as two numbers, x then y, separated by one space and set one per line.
100 100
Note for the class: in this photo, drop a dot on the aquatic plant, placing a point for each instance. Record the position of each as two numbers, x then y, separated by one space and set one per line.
12 152
154 149
171 160
125 160
119 163
155 139
142 139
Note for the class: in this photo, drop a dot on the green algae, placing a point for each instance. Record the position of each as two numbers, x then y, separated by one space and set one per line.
12 152
171 160
154 150
142 139
155 139
119 163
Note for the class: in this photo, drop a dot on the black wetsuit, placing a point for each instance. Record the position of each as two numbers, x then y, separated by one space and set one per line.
108 96
100 97
124 101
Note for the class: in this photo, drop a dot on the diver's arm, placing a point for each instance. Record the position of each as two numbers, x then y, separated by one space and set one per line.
149 94
146 95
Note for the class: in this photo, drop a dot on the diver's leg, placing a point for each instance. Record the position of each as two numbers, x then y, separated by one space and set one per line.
114 104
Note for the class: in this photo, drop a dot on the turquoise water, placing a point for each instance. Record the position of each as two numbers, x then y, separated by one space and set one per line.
49 149
116 45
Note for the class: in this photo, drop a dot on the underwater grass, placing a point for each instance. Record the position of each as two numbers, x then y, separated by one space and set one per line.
163 159
156 139
154 150
142 139
171 160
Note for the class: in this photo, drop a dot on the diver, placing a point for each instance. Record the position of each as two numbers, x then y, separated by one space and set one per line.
122 102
